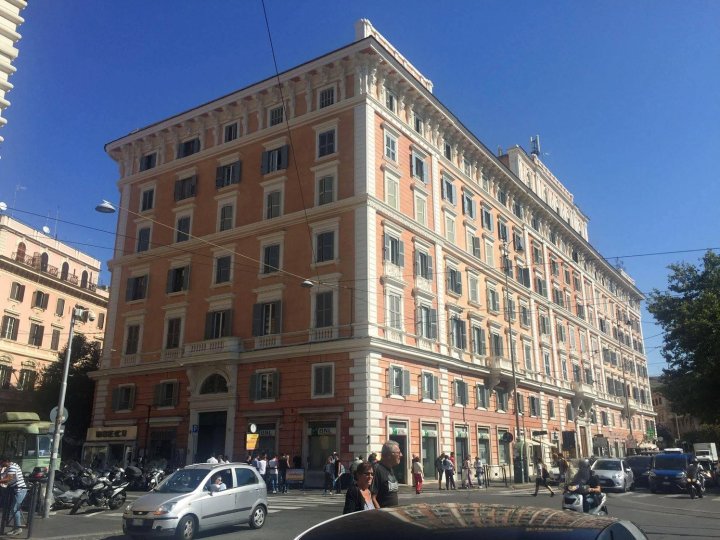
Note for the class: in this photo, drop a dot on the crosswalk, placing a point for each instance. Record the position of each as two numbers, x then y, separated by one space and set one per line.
628 494
297 500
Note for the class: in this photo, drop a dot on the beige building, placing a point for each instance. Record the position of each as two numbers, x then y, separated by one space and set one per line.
10 20
41 281
335 261
678 424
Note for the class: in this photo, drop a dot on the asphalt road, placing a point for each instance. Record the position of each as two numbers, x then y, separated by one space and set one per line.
660 516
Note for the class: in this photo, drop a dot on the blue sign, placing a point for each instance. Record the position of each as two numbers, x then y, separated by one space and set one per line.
194 428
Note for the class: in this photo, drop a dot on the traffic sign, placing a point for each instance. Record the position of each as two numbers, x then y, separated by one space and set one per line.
53 415
539 433
195 428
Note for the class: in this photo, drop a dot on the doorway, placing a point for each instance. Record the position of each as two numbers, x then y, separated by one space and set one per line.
398 433
211 435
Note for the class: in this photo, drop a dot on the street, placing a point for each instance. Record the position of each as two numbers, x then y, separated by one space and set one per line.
661 516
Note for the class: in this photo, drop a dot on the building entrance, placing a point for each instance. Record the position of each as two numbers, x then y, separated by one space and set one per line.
211 435
429 448
399 434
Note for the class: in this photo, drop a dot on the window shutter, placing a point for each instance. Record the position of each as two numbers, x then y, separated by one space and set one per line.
276 384
227 323
476 246
433 324
178 188
389 376
129 290
237 172
278 316
283 157
45 298
192 182
412 164
464 204
473 207
429 268
401 253
458 283
39 335
257 321
418 321
406 382
186 278
175 392
15 330
131 401
443 190
115 399
253 386
21 293
219 177
386 247
416 264
435 387
208 325
265 162
463 335
169 284
158 394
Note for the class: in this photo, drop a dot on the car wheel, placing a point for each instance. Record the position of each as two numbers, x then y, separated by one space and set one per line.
185 529
257 519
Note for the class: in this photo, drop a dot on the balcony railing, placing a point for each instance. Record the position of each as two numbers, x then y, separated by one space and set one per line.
326 333
35 262
264 342
129 360
213 346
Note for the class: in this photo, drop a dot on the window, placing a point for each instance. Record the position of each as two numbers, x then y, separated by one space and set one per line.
398 381
502 197
182 229
496 344
418 167
40 300
148 161
510 312
551 409
473 288
226 175
393 250
560 332
391 146
479 341
101 321
231 132
326 143
26 380
482 396
460 392
534 406
448 190
469 207
524 315
265 386
569 413
271 259
55 340
420 208
519 403
60 307
501 398
458 334
36 335
136 288
17 291
426 322
454 281
430 387
493 300
178 279
147 200
423 265
172 334
223 269
563 366
487 221
272 204
325 246
489 253
450 228
185 188
267 318
276 115
132 339
326 190
390 100
123 398
394 307
143 239
5 374
324 309
322 380
527 351
226 222
188 148
540 286
537 255
326 97
518 209
392 191
474 245
518 240
218 324
448 151
274 160
544 323
522 275
166 394
502 231
418 123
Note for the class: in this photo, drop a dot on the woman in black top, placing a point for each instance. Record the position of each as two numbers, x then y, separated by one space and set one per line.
358 496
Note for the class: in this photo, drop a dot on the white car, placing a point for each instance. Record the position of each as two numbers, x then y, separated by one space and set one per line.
191 500
614 473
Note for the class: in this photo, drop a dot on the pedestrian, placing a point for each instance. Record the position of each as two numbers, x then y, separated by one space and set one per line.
272 472
339 471
359 495
283 466
372 459
262 467
212 459
541 479
221 459
439 469
255 462
329 471
418 474
563 468
385 485
455 468
449 470
467 473
479 470
12 477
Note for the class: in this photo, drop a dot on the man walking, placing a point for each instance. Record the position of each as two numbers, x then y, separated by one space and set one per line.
439 469
385 485
541 479
13 478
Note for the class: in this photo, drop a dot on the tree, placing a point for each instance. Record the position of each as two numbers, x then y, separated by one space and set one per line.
689 314
84 358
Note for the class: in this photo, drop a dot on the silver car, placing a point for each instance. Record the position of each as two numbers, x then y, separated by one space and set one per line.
614 473
197 498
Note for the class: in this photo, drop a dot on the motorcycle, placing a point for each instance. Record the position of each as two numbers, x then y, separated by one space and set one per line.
153 477
108 490
575 496
696 486
146 481
70 483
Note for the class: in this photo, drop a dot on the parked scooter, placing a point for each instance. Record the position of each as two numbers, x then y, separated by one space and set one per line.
575 497
70 483
108 490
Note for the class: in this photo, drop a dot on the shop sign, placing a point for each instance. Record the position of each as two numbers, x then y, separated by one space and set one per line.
429 433
112 433
461 433
266 432
317 432
398 431
251 440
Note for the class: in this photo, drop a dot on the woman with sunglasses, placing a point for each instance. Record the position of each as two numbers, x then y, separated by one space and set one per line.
358 496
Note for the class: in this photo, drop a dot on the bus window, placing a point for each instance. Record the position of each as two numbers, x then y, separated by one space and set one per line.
3 436
15 445
44 443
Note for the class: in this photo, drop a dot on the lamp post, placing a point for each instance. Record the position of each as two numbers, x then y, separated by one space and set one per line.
506 269
77 313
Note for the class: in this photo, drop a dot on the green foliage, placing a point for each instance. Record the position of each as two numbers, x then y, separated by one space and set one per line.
84 358
706 433
689 314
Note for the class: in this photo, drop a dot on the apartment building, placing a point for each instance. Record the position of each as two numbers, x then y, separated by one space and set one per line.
334 261
10 20
42 280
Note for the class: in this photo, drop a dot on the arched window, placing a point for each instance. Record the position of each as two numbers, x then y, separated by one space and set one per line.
64 272
84 279
21 252
214 384
44 262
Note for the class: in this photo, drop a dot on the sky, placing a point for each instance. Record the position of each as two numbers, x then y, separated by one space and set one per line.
624 96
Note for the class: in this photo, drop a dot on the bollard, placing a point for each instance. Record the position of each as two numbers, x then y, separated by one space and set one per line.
33 508
5 509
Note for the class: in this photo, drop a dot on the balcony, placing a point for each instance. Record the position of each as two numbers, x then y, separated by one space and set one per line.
265 342
326 333
213 346
35 262
585 395
128 360
633 406
500 370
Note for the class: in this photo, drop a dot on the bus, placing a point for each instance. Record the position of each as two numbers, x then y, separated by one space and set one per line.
25 439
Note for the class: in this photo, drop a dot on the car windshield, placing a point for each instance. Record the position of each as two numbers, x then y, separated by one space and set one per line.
607 465
668 462
182 481
639 461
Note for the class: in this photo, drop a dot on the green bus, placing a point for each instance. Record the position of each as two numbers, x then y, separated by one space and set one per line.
25 439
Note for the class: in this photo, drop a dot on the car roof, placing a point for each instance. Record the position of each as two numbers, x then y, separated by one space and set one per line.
211 466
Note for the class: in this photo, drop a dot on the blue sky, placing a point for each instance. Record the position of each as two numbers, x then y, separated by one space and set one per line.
623 95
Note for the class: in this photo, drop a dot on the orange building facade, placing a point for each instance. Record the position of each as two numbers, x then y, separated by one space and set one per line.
323 261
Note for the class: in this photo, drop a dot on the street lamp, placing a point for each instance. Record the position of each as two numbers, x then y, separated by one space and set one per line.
506 270
82 314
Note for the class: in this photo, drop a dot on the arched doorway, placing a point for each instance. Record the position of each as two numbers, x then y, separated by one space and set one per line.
64 271
211 424
21 249
44 262
84 279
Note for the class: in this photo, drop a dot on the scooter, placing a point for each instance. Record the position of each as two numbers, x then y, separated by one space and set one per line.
574 498
108 490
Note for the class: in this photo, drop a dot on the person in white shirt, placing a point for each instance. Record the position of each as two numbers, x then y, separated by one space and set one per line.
262 466
212 459
272 472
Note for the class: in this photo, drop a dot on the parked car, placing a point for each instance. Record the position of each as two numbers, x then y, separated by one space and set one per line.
667 472
614 473
640 466
472 520
188 501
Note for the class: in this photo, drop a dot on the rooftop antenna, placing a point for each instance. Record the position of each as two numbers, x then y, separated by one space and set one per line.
535 145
